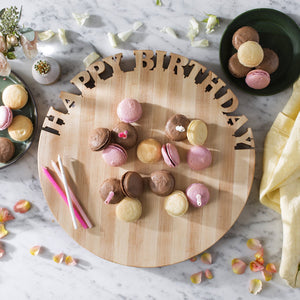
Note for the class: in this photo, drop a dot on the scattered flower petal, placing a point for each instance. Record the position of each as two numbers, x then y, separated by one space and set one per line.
170 31
91 58
259 256
266 275
211 23
3 231
4 66
238 266
58 258
254 244
208 274
158 3
29 47
193 259
62 36
112 39
271 268
193 29
206 258
255 286
137 25
5 215
35 250
196 278
125 35
200 43
2 252
255 266
46 35
22 206
70 261
80 18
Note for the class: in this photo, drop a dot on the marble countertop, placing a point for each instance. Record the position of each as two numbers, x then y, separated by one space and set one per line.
23 276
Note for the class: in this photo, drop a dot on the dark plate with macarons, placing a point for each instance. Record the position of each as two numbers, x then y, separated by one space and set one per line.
278 32
29 110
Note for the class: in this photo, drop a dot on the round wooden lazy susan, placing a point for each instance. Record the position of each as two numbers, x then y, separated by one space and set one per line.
164 85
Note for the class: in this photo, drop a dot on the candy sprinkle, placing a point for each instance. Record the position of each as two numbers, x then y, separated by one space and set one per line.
255 286
70 261
5 215
254 244
196 278
238 266
206 258
22 206
3 231
35 250
58 258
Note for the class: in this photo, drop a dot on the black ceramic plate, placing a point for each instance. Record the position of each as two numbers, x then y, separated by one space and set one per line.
276 31
29 110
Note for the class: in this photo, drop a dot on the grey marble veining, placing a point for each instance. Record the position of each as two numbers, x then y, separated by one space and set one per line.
23 276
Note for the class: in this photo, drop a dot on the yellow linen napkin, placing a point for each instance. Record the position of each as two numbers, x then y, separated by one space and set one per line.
280 184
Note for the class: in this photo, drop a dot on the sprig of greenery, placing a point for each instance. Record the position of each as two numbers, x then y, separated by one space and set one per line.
9 20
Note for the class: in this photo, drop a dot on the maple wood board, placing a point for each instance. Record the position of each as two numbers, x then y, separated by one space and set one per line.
156 239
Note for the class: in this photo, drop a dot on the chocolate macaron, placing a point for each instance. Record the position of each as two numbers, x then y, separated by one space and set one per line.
176 127
244 34
99 139
132 184
161 183
110 191
270 62
236 68
7 150
125 135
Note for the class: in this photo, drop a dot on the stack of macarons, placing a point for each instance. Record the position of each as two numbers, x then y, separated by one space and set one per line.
20 127
251 60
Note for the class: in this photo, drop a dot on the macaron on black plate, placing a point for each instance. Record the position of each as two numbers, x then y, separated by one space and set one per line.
278 32
29 110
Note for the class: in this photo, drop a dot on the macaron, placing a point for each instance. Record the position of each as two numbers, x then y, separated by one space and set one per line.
176 127
6 117
110 191
170 155
21 128
99 139
149 151
125 135
250 54
176 204
114 155
199 157
197 194
270 62
132 184
129 210
45 71
15 96
197 132
236 68
258 79
129 110
7 149
161 183
244 34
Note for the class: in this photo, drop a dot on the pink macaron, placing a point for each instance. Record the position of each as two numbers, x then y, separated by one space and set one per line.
114 155
6 117
199 157
170 155
197 194
129 110
258 79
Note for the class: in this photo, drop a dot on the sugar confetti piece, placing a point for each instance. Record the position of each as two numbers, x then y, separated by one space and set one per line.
5 215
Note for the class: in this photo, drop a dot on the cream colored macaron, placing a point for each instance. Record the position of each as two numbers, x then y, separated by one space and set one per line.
15 96
197 132
250 54
129 210
176 204
20 129
149 151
